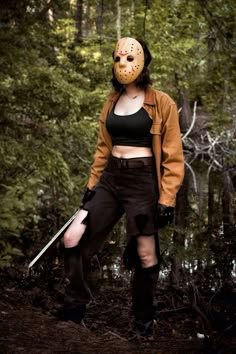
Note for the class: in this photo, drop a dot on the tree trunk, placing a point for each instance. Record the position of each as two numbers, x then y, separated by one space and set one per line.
186 112
210 204
181 220
99 18
87 20
118 27
79 19
227 202
144 18
132 18
183 103
228 226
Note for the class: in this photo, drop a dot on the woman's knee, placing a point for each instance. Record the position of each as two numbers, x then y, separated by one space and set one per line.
76 230
147 251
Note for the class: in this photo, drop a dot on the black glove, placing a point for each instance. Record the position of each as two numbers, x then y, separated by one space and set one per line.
88 195
165 215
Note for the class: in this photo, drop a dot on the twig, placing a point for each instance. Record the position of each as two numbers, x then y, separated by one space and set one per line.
174 310
194 176
114 334
209 171
193 121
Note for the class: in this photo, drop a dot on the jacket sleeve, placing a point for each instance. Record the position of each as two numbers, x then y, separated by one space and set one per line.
103 150
172 159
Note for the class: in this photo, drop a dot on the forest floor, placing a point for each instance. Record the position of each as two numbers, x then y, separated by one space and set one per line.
28 323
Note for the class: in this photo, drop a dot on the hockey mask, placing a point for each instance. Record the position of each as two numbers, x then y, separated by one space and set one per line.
128 60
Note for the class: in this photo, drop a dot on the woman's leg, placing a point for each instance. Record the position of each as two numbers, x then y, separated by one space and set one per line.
77 293
139 194
84 237
144 284
76 230
146 248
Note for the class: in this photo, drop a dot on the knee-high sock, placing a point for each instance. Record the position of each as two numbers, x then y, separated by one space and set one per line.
77 291
143 292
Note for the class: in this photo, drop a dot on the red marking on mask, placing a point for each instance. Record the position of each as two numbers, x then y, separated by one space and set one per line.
123 54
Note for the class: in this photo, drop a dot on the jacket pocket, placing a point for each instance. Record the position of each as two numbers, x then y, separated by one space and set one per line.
156 129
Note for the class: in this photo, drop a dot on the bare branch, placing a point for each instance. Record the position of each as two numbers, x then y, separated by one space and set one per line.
193 121
194 176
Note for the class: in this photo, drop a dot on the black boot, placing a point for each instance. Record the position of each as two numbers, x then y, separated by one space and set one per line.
144 329
143 293
74 313
77 292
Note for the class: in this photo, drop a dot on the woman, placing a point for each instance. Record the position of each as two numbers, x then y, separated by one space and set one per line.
137 170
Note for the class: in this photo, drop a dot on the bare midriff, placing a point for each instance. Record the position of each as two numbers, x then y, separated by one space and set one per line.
129 152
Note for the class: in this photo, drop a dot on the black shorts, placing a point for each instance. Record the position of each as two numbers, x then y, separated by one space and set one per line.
126 186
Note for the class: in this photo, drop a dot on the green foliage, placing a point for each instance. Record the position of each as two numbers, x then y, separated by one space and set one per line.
52 90
7 252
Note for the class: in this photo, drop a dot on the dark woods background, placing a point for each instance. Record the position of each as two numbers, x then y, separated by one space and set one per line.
55 59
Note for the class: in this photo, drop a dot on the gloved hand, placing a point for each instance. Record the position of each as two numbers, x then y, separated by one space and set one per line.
165 215
88 195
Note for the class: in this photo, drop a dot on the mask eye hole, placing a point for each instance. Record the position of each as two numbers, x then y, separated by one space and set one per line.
117 59
130 58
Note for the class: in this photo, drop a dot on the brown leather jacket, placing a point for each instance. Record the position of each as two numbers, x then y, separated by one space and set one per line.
166 143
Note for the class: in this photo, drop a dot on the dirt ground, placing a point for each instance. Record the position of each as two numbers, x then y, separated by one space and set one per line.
28 322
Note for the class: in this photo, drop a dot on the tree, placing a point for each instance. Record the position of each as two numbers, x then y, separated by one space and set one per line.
79 19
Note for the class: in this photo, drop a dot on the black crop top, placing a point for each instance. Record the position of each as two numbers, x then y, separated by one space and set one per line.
130 130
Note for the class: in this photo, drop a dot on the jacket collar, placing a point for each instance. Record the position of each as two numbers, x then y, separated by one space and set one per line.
149 98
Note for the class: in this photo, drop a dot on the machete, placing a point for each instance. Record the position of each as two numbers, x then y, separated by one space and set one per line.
55 239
